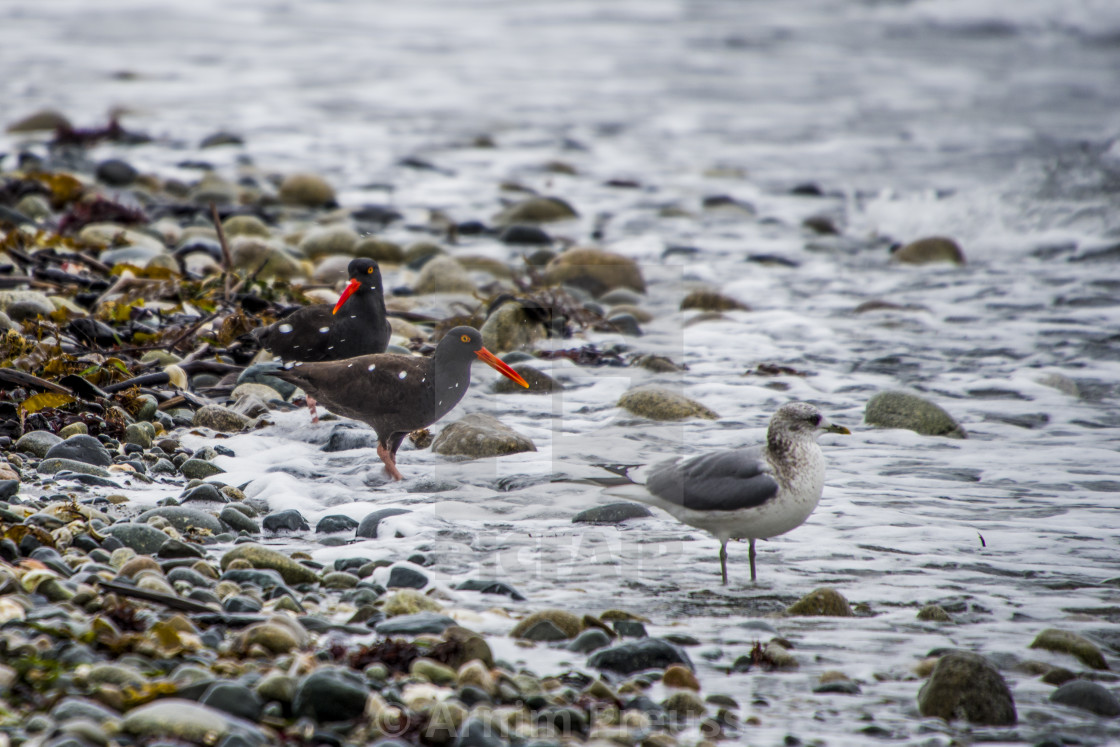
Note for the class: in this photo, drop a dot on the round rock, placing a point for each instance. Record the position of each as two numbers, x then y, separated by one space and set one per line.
904 410
81 448
658 403
966 686
477 436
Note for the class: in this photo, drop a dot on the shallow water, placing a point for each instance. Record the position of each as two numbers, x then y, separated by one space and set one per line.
992 122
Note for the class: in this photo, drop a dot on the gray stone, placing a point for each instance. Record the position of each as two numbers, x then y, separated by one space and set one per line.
329 241
595 271
233 698
966 686
589 640
369 525
335 523
345 438
54 466
143 538
635 656
419 623
1065 642
611 513
37 443
476 436
290 520
206 493
904 410
403 576
262 557
185 519
81 448
1088 696
331 694
262 373
544 630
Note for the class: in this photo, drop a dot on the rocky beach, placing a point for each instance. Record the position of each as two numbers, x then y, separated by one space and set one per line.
667 246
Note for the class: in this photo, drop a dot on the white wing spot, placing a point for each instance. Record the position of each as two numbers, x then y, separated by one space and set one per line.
402 375
353 316
349 365
372 366
324 330
285 328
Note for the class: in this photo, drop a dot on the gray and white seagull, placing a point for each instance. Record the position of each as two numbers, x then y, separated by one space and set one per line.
749 493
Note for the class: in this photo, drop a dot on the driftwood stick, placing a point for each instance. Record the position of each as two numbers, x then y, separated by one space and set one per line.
167 600
227 258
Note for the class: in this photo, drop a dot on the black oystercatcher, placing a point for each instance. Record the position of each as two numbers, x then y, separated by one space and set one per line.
752 493
398 394
356 325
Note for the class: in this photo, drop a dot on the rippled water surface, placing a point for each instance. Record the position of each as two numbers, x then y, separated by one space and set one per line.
991 122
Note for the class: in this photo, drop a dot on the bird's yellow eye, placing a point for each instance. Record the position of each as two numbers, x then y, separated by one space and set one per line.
465 338
370 271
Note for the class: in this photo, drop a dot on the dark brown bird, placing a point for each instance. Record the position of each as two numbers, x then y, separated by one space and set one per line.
356 325
398 394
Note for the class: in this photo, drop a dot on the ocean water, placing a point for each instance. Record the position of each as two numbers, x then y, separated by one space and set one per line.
993 122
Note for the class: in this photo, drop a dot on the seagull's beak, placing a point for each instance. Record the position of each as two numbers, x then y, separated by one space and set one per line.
833 428
346 293
498 365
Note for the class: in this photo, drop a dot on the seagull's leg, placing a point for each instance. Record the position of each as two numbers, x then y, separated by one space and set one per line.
751 556
723 560
311 409
390 464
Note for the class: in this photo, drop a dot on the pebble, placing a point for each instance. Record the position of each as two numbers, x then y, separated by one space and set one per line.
306 190
535 210
404 576
207 492
565 622
177 718
415 624
184 519
37 443
595 271
221 419
928 250
142 538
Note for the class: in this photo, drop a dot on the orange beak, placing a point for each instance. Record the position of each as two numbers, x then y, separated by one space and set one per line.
500 366
346 293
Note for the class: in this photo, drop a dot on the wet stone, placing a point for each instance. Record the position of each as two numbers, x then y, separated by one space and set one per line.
189 576
219 418
1065 642
345 438
612 513
184 519
543 630
967 686
199 469
37 443
415 624
645 653
630 629
238 521
477 436
144 539
823 602
658 403
81 448
589 640
259 577
174 548
403 576
1087 696
567 623
335 523
186 720
369 525
290 520
238 603
331 694
261 557
233 698
905 410
204 492
491 587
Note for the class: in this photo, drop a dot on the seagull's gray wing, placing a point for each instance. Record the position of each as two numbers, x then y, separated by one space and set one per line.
727 480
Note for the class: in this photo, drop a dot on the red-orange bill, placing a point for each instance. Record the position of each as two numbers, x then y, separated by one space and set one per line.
346 293
500 366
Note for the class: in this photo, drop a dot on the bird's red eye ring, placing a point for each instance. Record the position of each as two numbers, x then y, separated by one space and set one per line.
370 271
465 338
